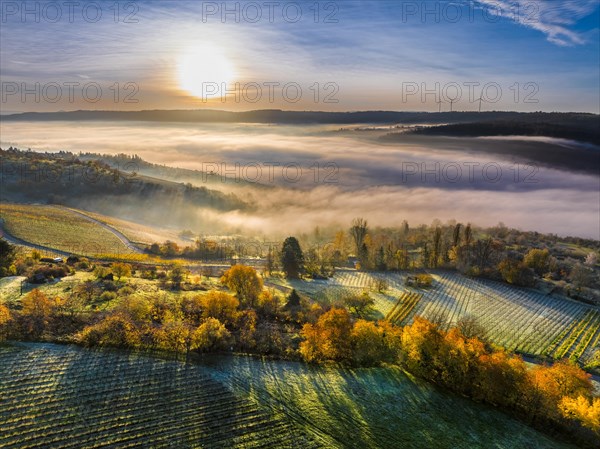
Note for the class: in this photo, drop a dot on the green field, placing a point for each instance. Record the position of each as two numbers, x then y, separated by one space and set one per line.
60 229
68 397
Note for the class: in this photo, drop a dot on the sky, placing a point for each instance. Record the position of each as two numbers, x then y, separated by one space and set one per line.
305 55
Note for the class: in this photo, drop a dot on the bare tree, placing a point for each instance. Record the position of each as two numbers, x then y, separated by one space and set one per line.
358 230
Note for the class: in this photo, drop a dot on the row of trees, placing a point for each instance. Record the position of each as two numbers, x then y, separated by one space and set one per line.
560 394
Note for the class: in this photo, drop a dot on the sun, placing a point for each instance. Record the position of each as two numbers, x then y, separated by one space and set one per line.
202 71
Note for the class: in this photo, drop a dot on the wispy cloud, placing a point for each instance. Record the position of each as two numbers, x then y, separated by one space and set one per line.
557 19
373 48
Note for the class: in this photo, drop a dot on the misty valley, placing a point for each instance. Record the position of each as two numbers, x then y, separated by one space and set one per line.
307 225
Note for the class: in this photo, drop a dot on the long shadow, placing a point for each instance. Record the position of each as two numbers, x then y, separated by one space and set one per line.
71 397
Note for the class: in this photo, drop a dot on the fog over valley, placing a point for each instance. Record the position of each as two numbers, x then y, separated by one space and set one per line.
327 175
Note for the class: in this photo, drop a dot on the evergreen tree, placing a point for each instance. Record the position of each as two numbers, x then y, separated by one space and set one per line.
380 260
8 254
292 259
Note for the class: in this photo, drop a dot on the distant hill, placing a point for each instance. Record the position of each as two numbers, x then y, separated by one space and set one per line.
572 127
175 174
296 117
63 178
583 128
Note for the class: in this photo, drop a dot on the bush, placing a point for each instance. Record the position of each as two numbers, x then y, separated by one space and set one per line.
424 280
126 291
107 296
211 335
109 286
42 273
115 330
83 264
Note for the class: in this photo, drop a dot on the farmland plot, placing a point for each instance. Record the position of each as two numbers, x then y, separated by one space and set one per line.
403 308
60 229
519 319
67 397
575 339
71 398
351 282
139 233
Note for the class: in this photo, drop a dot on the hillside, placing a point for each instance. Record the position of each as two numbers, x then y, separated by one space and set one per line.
92 185
573 128
571 155
522 320
229 401
175 174
61 229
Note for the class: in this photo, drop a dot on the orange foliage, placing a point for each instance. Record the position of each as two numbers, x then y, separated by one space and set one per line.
584 410
244 281
329 338
4 319
563 379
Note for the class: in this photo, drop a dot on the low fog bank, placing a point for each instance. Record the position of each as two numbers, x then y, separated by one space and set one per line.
320 176
284 211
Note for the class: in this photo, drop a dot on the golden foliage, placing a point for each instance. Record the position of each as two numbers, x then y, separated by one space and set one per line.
582 409
244 281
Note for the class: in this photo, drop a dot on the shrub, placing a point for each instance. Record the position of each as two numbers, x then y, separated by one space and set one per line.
44 272
107 296
424 280
126 291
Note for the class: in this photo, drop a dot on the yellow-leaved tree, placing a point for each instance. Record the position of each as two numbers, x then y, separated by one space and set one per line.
583 409
4 319
245 282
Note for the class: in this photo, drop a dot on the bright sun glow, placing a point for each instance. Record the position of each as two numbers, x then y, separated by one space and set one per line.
203 66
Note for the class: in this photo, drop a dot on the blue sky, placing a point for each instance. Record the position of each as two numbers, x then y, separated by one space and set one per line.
542 55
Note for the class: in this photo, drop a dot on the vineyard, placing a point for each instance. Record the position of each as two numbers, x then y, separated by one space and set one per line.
60 229
403 307
139 233
73 399
57 396
575 340
519 319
